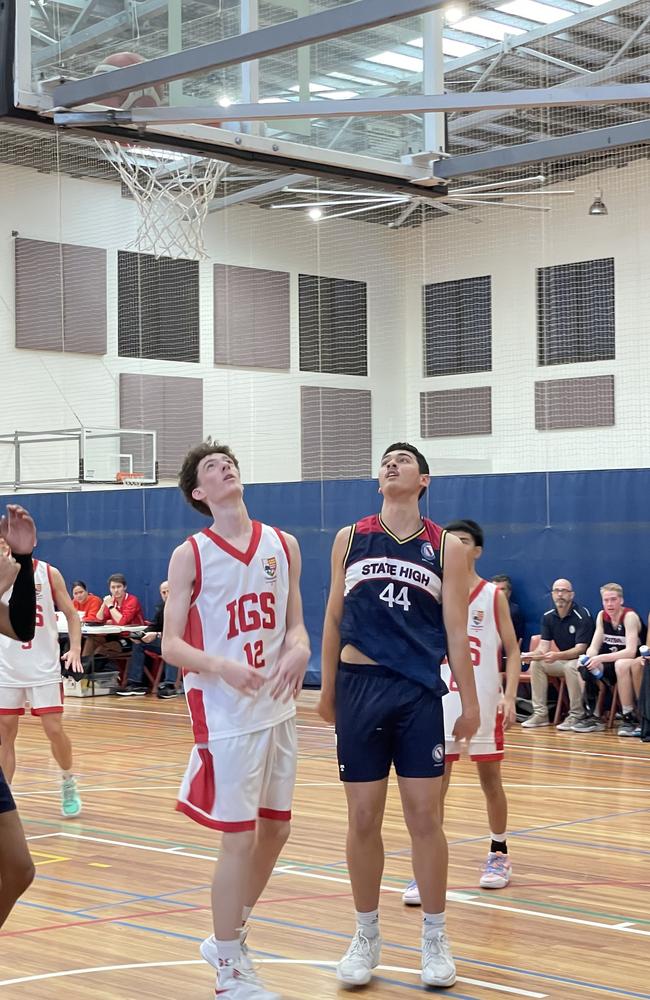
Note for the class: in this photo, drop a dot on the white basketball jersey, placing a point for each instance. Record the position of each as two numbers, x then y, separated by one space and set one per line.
485 653
31 664
239 611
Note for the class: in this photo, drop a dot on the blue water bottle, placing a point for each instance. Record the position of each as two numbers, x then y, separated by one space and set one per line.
585 660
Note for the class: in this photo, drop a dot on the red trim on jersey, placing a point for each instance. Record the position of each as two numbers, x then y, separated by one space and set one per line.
452 757
202 791
198 716
12 711
486 756
497 622
368 524
47 711
284 544
477 590
280 814
49 580
214 824
198 576
434 532
193 634
244 557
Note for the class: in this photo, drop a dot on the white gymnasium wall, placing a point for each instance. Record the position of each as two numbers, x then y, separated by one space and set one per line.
510 245
259 411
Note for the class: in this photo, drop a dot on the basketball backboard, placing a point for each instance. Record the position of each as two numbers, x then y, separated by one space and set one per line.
62 41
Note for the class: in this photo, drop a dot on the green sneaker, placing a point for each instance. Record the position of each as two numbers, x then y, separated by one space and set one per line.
70 801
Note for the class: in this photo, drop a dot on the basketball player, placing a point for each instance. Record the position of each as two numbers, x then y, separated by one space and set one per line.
490 629
399 582
233 621
31 672
17 622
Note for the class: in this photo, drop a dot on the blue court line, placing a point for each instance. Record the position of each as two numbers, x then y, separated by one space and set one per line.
516 833
551 977
389 944
88 885
263 954
614 848
161 896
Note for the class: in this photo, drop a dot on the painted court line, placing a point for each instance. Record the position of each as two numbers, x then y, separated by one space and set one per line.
460 897
500 988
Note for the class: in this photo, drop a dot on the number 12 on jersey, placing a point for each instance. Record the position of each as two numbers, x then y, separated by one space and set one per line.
255 654
400 600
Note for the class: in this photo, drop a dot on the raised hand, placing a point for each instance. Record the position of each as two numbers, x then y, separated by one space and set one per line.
18 529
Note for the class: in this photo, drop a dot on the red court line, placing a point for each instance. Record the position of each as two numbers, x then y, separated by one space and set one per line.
89 922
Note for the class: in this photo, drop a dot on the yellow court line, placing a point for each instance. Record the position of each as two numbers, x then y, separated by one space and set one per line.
51 858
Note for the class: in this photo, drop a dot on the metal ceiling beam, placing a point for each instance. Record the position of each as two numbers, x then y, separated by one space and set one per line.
341 20
96 34
641 64
549 149
486 100
258 191
556 28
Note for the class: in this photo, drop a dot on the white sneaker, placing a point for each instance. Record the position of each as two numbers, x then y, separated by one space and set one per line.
210 953
496 872
535 722
438 968
236 986
567 725
355 968
244 973
411 895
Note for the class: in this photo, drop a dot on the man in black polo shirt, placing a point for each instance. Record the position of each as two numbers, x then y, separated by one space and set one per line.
570 627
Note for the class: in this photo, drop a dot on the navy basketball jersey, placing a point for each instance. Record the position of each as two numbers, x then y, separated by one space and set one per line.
614 635
392 608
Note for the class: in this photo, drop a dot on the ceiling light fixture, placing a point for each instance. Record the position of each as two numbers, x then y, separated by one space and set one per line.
598 206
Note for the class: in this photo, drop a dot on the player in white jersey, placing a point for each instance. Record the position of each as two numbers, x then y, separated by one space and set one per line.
233 621
30 673
490 630
17 622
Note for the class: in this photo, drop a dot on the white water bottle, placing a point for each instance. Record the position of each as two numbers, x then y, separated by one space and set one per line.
644 651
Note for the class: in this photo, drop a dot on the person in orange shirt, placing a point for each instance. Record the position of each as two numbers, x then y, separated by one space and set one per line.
85 602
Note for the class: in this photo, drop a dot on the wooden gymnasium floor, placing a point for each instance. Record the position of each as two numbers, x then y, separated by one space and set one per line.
121 898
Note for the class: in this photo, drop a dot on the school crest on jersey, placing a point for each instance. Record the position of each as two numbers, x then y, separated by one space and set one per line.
428 553
270 567
38 587
477 618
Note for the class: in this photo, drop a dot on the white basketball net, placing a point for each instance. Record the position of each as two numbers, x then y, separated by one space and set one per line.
173 193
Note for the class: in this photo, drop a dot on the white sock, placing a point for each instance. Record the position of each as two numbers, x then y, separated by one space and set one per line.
368 923
246 912
499 837
627 709
66 775
229 952
433 922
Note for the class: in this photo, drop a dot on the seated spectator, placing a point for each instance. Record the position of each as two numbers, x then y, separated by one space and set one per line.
120 607
504 583
613 657
571 628
87 604
150 643
117 608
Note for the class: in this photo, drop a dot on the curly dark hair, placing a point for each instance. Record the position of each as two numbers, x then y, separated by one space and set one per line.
187 475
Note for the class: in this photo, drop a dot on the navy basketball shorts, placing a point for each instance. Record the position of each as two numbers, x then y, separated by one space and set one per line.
383 718
7 803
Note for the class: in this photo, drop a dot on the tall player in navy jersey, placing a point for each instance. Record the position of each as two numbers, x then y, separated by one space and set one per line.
233 621
397 605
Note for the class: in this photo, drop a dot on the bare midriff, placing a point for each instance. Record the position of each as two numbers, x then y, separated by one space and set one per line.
350 654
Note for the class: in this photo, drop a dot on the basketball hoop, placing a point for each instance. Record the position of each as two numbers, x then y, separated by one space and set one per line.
173 192
129 478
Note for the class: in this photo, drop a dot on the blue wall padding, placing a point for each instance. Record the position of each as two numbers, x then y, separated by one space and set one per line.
590 526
